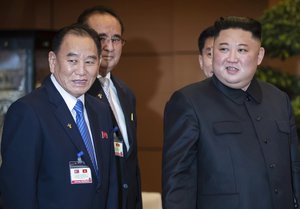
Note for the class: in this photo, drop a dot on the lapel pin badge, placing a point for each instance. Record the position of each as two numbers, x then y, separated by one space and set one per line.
131 117
104 135
69 125
100 96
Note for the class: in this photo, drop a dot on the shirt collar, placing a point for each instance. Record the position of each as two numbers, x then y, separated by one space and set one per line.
68 98
108 75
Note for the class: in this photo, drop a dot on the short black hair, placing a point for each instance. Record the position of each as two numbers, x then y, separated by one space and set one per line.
209 32
75 29
83 17
244 23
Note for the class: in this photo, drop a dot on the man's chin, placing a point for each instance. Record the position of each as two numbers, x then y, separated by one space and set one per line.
107 67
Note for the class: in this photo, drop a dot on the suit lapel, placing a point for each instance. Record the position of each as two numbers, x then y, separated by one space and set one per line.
66 120
96 133
123 98
96 90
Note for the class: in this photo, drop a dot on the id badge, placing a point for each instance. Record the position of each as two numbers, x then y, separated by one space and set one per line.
80 173
118 145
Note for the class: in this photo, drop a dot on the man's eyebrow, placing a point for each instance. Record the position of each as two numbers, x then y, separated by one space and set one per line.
242 44
92 57
114 35
102 34
224 43
72 54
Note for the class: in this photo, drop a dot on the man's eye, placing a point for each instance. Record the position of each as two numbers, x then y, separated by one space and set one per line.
102 38
243 50
115 39
90 62
72 61
223 49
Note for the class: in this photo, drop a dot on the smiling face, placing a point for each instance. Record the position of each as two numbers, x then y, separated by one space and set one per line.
75 65
107 26
236 55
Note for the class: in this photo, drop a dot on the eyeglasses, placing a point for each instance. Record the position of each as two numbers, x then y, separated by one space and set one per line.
115 40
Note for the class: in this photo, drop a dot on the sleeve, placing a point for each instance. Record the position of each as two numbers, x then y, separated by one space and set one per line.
179 168
139 203
21 151
295 159
113 196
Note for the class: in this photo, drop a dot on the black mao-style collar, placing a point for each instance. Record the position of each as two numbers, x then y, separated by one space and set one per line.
238 95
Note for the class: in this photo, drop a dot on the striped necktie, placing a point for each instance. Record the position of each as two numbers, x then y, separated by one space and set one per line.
83 129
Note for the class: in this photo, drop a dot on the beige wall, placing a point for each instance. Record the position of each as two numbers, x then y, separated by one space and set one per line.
160 55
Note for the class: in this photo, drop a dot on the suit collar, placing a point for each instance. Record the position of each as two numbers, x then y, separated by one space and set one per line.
108 75
68 98
66 120
126 107
239 96
96 90
94 125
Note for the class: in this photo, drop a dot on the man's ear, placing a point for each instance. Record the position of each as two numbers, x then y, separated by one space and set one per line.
200 61
100 60
261 55
52 61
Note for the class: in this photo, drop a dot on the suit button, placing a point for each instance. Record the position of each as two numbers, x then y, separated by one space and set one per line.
258 118
266 140
273 165
125 186
276 191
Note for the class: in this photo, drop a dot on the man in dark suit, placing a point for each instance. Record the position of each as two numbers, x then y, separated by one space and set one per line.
57 143
121 99
230 141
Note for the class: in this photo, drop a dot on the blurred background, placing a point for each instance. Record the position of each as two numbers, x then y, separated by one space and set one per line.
160 54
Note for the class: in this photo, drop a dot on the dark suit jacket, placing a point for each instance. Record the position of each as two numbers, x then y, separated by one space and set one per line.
40 138
226 148
130 185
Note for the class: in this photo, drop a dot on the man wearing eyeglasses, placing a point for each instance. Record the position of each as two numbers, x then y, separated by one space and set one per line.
121 100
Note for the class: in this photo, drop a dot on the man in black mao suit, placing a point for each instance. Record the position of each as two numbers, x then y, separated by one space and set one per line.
230 141
46 163
121 99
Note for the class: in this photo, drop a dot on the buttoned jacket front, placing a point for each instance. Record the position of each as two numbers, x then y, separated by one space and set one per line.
40 139
130 179
226 148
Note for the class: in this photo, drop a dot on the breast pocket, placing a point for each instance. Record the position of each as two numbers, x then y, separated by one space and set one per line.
282 138
227 127
283 127
217 168
219 201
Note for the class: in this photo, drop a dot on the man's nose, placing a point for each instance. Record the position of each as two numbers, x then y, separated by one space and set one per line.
232 56
107 44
